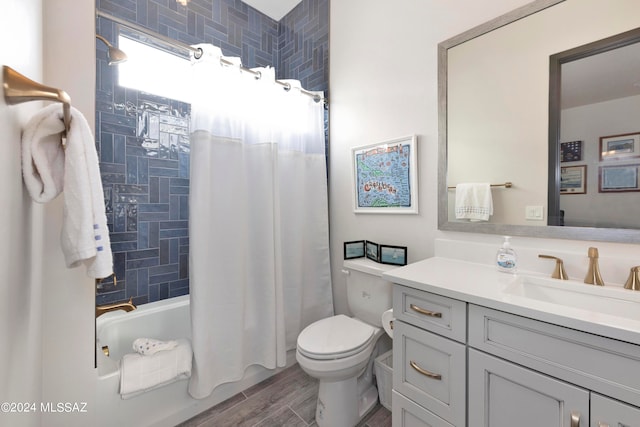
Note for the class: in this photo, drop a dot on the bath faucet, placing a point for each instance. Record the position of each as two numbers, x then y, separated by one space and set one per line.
126 306
558 272
593 274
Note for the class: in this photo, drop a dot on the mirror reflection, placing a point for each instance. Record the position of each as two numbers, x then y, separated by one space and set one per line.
597 154
496 124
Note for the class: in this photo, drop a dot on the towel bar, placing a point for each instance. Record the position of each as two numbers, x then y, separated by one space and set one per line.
18 88
506 185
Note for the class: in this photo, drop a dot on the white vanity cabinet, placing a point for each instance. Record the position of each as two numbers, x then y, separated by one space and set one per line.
429 359
540 374
459 363
503 394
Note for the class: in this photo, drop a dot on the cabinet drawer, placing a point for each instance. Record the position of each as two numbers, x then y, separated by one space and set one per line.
607 412
597 363
407 414
431 371
435 313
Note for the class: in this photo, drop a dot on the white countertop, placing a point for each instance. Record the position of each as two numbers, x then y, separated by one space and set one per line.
483 285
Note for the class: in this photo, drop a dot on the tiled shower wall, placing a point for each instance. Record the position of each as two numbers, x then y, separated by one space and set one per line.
142 139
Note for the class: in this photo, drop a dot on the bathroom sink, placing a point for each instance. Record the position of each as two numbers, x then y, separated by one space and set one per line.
609 300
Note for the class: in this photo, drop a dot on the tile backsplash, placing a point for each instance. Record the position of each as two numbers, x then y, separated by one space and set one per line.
143 139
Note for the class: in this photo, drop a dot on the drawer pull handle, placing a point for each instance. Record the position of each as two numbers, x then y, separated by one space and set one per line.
601 424
424 372
425 312
575 419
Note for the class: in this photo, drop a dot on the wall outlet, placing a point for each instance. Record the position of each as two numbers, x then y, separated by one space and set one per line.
534 213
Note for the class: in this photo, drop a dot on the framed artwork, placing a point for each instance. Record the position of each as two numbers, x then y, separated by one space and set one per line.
618 147
396 255
573 179
385 177
372 251
571 151
354 249
618 179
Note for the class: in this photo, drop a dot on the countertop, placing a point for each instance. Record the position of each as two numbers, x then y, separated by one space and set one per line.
483 285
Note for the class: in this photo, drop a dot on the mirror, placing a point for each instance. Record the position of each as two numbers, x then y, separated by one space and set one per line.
593 120
495 120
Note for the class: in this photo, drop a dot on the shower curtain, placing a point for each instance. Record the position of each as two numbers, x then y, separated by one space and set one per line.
259 245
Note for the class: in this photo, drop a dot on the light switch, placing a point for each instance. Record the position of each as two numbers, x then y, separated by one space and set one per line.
534 213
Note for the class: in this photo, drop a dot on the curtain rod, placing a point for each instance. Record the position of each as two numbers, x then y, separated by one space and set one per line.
197 52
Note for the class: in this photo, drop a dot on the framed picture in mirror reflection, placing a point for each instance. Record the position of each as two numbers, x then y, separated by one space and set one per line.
620 147
570 151
618 179
573 180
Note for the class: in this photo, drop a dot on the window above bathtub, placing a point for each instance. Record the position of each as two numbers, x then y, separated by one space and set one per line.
153 67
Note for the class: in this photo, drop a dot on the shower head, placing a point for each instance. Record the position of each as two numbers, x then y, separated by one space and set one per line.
114 54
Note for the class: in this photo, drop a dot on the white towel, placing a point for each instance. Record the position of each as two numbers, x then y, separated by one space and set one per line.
150 346
46 166
474 201
139 373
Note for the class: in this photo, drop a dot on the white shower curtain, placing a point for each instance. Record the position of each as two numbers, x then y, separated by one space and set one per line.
259 245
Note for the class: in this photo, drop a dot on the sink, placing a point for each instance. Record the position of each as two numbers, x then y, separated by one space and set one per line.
609 300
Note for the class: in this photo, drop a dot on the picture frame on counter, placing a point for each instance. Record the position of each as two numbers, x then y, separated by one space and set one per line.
354 249
372 251
394 255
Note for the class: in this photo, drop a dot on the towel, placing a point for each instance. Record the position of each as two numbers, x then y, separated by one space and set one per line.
149 346
139 373
473 201
47 166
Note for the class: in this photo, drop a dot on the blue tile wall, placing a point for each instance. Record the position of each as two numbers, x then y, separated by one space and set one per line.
143 139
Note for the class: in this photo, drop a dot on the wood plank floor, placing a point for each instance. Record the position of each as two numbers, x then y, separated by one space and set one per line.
286 399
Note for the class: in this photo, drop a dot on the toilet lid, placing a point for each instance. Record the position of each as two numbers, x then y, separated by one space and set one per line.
335 337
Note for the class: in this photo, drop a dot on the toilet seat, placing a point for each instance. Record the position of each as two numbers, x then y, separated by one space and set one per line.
335 337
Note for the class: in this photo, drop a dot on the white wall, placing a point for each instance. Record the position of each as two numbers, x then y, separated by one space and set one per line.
383 84
69 296
20 284
47 311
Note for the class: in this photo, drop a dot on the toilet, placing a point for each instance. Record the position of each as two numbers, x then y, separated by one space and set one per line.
339 351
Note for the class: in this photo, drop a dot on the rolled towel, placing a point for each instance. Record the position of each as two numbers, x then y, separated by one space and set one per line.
149 346
139 373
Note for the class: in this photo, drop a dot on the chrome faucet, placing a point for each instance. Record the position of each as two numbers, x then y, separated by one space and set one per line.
593 274
558 272
126 306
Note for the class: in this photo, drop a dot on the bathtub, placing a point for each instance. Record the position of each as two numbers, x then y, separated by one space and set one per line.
167 405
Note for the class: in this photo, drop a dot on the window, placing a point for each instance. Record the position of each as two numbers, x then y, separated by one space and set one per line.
154 70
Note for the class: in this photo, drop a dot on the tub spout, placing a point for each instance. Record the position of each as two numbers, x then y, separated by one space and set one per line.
126 306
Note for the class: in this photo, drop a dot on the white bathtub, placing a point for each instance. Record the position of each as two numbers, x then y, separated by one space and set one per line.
165 406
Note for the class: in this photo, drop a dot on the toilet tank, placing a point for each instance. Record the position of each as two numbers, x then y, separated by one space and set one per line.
368 295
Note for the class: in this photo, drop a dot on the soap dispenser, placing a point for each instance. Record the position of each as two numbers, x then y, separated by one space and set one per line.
506 258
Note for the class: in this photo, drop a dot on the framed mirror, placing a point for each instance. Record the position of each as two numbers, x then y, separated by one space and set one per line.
496 118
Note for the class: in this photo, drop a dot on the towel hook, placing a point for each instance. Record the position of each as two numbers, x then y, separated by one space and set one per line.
18 88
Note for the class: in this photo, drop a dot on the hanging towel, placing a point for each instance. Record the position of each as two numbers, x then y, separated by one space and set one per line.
149 346
47 167
474 201
139 373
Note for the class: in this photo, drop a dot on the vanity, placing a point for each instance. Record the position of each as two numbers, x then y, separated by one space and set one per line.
476 347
